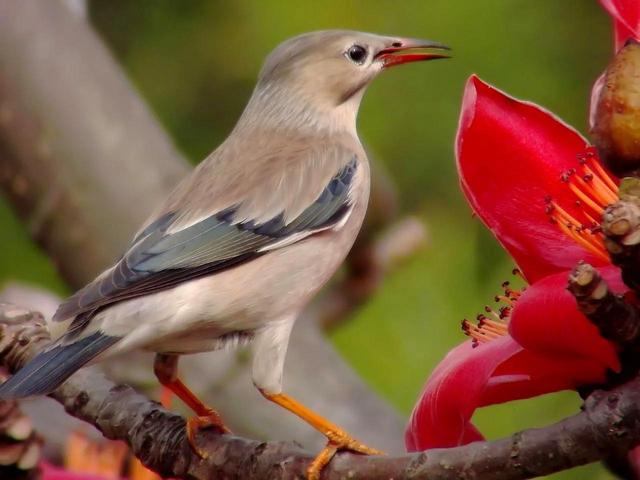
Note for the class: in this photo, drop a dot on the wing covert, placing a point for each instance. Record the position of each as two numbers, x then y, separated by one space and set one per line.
160 258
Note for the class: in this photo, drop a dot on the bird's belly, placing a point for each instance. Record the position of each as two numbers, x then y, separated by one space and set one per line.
203 340
193 316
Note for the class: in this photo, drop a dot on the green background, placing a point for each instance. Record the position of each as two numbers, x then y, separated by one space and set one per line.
195 63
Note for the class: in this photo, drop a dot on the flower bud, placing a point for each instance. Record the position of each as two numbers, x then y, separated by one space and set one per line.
616 122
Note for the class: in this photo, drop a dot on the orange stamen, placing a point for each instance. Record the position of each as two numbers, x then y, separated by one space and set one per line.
491 312
594 189
563 215
495 326
603 190
499 332
583 240
606 178
582 195
514 294
504 299
591 219
478 334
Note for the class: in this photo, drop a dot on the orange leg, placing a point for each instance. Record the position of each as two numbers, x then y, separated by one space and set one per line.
166 369
338 439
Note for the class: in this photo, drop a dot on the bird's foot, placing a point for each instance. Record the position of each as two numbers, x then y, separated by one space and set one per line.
337 440
209 420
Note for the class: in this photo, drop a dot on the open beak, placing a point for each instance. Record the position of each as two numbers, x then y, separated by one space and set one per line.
408 50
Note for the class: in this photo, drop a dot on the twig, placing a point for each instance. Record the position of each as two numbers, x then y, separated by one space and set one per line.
617 320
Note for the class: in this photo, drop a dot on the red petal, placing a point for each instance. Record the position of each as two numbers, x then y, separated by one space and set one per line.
529 374
494 372
626 19
546 319
452 393
511 155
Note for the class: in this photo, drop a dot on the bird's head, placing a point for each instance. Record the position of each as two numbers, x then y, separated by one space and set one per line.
329 70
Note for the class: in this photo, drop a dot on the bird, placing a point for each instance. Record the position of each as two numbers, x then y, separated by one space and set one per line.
246 240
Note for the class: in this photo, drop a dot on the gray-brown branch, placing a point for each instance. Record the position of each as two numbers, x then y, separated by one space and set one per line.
616 319
609 424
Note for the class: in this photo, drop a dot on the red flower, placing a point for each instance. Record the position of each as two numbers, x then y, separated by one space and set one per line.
537 185
626 19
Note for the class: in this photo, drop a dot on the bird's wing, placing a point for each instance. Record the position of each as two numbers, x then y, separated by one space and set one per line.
163 256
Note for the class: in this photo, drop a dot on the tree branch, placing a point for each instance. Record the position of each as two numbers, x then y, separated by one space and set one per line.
616 319
609 424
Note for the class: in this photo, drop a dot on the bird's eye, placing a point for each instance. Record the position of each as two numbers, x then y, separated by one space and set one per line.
357 54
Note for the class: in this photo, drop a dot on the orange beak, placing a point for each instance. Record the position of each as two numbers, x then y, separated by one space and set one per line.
409 50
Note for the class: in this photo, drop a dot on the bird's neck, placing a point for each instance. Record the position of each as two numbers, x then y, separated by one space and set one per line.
285 109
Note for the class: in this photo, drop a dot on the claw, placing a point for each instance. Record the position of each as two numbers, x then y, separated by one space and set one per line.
338 440
165 368
195 424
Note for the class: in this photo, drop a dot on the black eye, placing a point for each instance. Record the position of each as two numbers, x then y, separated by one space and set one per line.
357 54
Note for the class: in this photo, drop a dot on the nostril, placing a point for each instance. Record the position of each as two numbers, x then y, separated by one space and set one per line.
396 44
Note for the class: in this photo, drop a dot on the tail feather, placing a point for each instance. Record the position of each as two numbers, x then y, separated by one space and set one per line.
49 369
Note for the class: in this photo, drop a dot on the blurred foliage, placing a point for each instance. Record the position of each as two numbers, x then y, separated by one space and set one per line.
195 62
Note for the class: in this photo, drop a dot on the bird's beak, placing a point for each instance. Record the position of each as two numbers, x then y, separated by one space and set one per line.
408 50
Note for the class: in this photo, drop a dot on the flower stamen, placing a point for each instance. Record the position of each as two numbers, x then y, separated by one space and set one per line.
478 334
594 189
588 237
494 326
603 190
606 178
516 272
496 323
491 312
582 195
504 299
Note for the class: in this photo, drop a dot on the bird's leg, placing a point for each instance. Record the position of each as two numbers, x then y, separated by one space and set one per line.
165 367
270 347
338 439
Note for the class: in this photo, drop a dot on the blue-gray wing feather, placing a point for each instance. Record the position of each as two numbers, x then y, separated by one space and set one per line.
161 259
